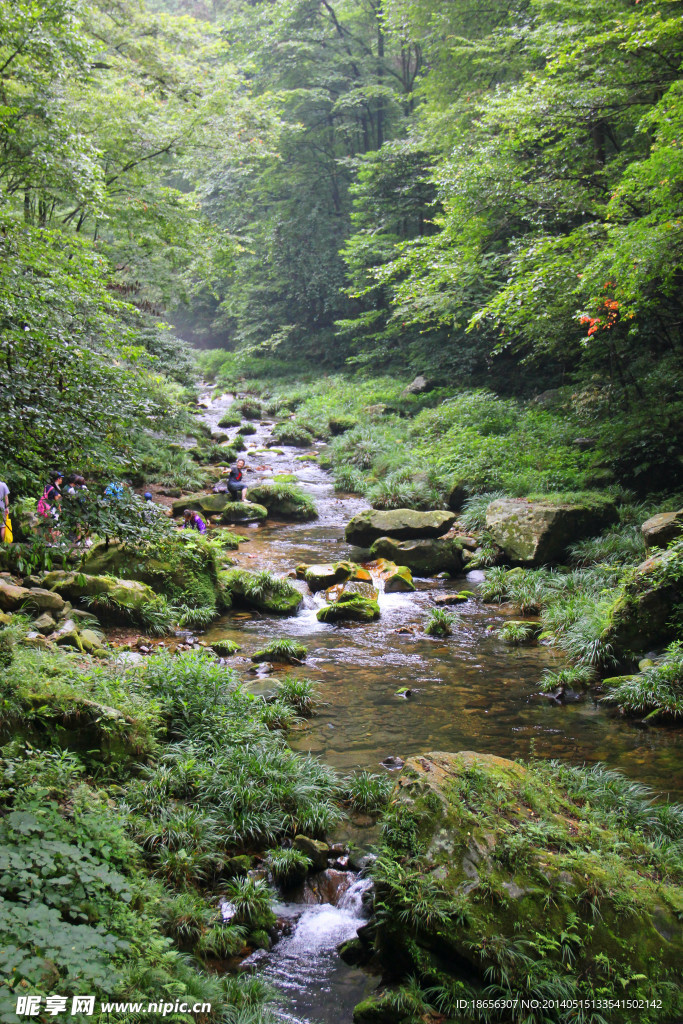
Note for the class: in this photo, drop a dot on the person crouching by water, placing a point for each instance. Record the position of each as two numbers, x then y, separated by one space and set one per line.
193 521
236 482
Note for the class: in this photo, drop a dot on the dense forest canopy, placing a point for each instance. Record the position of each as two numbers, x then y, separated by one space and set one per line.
487 193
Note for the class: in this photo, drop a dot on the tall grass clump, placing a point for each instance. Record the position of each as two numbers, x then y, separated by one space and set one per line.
656 692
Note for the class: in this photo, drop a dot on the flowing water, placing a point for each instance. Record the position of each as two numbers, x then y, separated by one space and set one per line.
467 692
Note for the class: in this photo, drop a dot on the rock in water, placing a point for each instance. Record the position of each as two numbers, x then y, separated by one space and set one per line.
400 523
485 856
662 529
538 532
350 607
422 557
243 512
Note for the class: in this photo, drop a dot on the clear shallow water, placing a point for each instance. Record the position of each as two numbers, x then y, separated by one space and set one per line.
468 692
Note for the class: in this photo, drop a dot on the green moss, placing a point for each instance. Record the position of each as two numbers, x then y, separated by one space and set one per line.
350 607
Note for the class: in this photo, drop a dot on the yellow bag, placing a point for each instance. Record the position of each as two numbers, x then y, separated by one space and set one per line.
8 530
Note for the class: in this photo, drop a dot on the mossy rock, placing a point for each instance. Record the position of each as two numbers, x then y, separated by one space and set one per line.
525 854
285 478
396 578
538 532
642 614
350 608
286 654
224 648
243 512
247 429
398 523
307 457
320 577
423 557
128 595
284 500
182 573
241 586
340 424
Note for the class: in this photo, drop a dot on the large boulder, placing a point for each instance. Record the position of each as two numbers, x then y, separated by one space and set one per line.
285 500
243 512
185 574
642 614
538 869
660 530
537 532
261 592
210 504
112 596
11 596
423 557
401 523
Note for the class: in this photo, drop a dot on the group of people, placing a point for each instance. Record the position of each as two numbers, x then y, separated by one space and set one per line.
50 502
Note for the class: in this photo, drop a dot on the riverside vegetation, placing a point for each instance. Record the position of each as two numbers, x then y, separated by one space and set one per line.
445 242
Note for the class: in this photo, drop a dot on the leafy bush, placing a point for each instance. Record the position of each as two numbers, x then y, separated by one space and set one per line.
291 433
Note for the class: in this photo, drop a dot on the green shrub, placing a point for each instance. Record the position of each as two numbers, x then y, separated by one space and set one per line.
440 622
657 691
247 428
291 433
299 694
231 418
288 866
367 792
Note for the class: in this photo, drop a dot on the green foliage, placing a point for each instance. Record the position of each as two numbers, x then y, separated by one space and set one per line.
367 792
282 649
440 622
231 418
517 633
288 865
299 694
657 691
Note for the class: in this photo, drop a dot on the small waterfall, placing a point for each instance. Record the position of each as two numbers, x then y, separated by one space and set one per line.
305 966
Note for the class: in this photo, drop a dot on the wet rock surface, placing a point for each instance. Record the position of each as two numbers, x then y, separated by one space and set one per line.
533 533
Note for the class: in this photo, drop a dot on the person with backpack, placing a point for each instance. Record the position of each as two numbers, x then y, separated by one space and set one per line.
48 504
4 509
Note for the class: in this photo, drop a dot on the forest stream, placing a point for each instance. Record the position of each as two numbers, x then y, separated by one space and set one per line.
468 692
